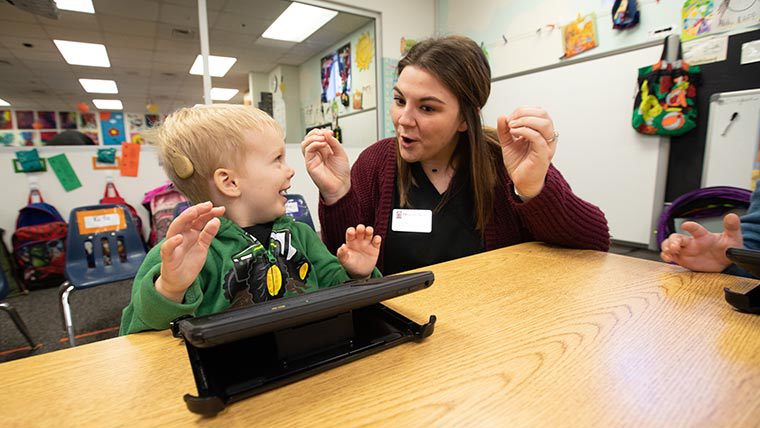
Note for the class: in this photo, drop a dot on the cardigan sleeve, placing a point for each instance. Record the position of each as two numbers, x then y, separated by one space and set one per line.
356 207
558 216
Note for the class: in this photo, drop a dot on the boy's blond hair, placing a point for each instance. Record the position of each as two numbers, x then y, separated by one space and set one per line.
195 142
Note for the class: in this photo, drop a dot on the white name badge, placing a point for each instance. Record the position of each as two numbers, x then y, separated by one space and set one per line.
420 221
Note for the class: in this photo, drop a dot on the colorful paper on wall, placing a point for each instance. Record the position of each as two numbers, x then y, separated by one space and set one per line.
7 138
5 119
107 155
64 172
736 13
29 160
697 18
130 159
112 127
88 121
47 120
365 50
579 35
68 119
389 81
24 119
29 138
46 136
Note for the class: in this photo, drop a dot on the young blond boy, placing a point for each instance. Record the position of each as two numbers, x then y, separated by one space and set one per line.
237 248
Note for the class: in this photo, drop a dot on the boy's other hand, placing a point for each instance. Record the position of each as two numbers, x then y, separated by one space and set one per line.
184 251
703 251
359 254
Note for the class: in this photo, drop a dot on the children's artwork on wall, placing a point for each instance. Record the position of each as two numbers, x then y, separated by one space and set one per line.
25 119
28 161
46 120
336 74
697 18
152 120
5 119
46 136
65 173
112 127
406 44
736 13
29 138
88 121
68 119
7 138
365 50
579 35
136 122
130 159
94 135
389 81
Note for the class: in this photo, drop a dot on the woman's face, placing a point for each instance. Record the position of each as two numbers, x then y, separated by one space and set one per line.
426 116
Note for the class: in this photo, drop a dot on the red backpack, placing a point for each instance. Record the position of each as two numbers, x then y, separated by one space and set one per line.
39 244
118 200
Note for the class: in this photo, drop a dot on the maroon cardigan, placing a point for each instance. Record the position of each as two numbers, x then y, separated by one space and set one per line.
555 216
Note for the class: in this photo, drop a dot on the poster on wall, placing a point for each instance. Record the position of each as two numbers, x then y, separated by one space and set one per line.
112 127
68 119
7 138
46 136
29 138
389 81
5 119
336 75
697 18
736 13
25 119
152 120
579 35
47 120
94 135
365 50
88 121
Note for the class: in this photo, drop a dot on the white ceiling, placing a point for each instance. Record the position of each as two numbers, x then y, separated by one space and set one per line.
151 45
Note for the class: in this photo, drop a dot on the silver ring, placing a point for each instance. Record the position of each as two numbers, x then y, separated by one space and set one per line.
553 138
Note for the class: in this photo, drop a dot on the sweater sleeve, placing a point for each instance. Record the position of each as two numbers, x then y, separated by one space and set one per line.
558 216
148 309
356 207
751 222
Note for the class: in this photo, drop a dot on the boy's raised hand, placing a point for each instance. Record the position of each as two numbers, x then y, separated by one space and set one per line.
359 254
184 251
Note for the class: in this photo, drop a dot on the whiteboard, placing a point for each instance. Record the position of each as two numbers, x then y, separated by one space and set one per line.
729 158
603 158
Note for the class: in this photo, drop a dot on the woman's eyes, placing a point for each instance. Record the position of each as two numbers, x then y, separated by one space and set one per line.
400 101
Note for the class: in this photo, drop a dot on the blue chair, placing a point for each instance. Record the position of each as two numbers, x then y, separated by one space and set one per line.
296 207
102 247
15 317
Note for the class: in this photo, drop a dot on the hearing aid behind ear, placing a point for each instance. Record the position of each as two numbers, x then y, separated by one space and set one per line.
181 165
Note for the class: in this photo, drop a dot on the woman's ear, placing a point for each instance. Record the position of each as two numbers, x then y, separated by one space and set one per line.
226 182
462 126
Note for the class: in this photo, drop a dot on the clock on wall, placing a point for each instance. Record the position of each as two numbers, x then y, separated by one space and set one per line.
274 84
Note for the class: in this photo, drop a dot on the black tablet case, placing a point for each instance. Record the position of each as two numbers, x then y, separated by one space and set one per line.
748 260
311 333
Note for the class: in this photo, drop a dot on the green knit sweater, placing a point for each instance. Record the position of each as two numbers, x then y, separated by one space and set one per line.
238 271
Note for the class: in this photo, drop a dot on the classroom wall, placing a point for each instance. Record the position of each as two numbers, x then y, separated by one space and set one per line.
132 189
487 20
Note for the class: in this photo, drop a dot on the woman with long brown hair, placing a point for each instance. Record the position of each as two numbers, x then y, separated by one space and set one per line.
446 187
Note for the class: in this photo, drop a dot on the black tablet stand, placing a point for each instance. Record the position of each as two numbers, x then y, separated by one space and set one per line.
748 302
237 370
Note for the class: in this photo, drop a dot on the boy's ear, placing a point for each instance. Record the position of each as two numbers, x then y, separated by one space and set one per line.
226 182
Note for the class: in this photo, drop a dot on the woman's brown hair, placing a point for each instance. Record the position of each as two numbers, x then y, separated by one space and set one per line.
460 64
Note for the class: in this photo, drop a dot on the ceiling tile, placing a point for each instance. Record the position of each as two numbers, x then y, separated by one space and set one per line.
22 29
74 34
13 42
134 27
240 24
262 9
72 20
182 16
36 55
12 13
137 9
126 41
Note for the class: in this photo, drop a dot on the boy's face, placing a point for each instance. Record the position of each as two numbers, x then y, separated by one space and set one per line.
266 176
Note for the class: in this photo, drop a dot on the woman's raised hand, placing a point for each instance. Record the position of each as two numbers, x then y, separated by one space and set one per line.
327 164
528 142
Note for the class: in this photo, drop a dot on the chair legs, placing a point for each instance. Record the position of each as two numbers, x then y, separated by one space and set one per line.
68 324
19 323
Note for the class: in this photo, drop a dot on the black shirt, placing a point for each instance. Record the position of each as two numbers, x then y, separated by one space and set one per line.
262 232
453 235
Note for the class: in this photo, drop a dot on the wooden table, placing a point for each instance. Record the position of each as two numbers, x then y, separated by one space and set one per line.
526 336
